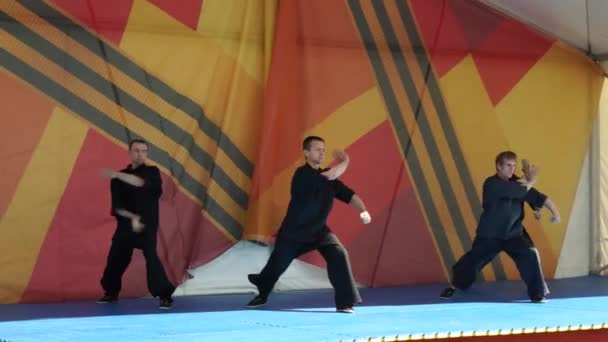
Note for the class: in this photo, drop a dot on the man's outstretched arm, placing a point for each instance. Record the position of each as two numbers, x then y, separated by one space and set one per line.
125 177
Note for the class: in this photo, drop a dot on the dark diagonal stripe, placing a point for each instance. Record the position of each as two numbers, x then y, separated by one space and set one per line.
421 117
137 73
409 151
117 95
77 105
444 119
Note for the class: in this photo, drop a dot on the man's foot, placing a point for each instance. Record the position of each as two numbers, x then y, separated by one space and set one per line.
165 303
106 299
345 309
257 301
447 293
538 299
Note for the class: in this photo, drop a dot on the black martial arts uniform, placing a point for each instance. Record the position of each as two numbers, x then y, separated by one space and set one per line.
500 229
142 201
304 229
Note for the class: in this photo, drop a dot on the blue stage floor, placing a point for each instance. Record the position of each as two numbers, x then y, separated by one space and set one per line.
310 316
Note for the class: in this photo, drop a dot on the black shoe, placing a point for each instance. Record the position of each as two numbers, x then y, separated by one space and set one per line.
538 299
447 293
106 299
257 301
165 303
345 309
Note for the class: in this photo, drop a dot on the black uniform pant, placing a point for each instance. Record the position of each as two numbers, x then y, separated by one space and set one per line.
521 249
119 257
334 253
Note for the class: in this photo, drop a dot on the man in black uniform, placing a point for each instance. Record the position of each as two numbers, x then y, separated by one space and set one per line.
135 194
500 228
304 227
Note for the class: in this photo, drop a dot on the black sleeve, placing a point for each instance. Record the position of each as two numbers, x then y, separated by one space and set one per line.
343 192
116 195
535 199
303 183
153 184
495 189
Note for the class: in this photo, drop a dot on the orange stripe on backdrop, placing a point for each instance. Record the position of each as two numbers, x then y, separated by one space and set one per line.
318 65
26 221
25 114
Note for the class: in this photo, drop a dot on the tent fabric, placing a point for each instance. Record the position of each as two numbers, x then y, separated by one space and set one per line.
422 94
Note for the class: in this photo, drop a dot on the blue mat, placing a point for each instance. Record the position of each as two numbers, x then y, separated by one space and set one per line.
310 316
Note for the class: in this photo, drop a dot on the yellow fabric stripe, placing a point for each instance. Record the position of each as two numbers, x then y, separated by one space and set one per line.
244 30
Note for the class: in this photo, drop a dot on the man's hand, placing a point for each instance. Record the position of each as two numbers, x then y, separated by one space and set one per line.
537 214
366 218
136 225
525 166
525 182
530 170
340 156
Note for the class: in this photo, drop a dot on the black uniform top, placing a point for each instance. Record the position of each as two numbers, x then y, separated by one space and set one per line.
503 207
142 201
312 197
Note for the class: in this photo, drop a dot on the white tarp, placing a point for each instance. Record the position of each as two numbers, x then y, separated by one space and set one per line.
228 273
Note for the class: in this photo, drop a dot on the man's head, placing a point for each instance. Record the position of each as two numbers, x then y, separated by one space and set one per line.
138 150
314 150
506 162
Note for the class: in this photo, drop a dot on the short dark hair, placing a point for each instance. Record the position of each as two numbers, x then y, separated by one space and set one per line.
505 155
137 141
309 139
